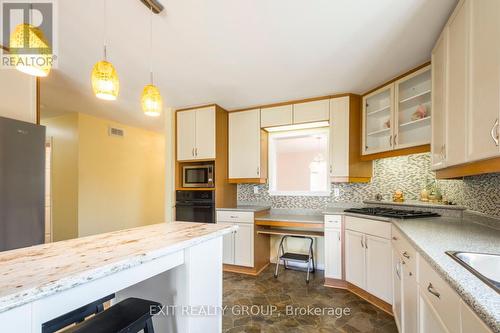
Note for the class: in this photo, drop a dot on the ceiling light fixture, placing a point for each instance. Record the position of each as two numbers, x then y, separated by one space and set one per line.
105 83
26 35
151 100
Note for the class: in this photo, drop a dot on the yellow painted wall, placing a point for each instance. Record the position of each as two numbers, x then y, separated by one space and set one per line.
121 179
64 133
17 96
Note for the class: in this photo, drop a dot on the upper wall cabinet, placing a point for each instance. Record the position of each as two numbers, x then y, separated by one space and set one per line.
196 134
398 115
247 148
345 163
298 113
276 116
311 111
467 97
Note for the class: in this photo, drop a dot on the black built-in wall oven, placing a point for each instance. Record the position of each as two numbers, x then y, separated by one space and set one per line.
195 206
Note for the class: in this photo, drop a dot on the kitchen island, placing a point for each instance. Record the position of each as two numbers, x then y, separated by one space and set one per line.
178 264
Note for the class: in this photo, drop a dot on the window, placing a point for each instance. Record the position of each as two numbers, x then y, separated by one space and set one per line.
298 162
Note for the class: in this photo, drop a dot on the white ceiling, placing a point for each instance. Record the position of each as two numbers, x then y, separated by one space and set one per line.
238 53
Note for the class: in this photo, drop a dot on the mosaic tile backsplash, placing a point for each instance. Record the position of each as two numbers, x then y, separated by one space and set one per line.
408 173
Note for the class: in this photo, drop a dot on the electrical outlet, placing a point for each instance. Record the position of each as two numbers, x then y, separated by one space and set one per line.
255 190
336 192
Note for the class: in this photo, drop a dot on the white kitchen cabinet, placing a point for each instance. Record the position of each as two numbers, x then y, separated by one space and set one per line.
244 144
470 322
333 246
397 290
355 265
314 111
378 267
276 116
467 55
186 135
196 134
227 246
238 247
412 112
339 137
409 299
243 245
439 63
378 111
484 60
428 319
456 92
205 133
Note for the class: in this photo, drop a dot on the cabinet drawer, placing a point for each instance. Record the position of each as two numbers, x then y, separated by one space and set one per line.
311 111
333 221
276 116
236 217
367 226
443 299
403 248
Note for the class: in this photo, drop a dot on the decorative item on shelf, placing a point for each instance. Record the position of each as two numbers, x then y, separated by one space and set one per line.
378 197
151 100
105 83
420 113
435 194
424 195
387 124
398 196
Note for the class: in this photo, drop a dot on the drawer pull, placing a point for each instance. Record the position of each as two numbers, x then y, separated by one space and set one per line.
406 255
394 238
233 217
430 288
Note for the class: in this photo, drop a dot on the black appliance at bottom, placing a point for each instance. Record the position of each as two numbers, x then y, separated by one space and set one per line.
195 206
390 212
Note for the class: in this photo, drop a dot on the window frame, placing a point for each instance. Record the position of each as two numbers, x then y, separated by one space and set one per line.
272 162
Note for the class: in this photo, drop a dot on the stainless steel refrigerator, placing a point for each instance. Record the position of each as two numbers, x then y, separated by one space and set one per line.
22 184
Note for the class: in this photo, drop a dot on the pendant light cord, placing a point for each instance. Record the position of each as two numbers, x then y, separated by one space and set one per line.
151 45
105 33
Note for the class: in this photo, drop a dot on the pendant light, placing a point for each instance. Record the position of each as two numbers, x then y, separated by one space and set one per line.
105 81
26 35
151 101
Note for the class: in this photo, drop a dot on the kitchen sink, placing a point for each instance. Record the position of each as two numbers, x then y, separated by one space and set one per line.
483 265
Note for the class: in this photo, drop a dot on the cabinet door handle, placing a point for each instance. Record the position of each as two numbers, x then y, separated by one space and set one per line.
362 245
395 139
495 133
258 171
196 151
394 238
406 255
397 272
331 169
192 152
390 140
430 288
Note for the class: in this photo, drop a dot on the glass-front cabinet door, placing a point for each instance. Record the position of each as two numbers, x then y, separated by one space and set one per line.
412 114
378 120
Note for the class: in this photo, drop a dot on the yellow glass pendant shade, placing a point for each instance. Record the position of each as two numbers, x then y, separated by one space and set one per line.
105 81
151 101
28 36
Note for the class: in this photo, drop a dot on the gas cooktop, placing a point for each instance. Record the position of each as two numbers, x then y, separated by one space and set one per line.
389 212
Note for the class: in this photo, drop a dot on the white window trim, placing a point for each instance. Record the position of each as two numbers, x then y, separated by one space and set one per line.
272 162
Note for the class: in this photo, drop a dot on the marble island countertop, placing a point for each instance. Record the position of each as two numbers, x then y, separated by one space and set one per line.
432 237
35 272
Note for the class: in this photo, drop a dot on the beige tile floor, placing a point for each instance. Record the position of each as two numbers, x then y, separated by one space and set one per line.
268 305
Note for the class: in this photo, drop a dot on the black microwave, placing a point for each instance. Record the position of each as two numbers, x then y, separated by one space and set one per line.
198 175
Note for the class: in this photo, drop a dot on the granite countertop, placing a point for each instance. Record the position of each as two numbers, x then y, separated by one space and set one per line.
299 218
35 272
431 237
245 208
